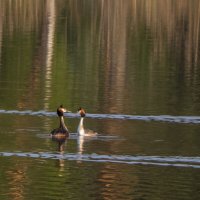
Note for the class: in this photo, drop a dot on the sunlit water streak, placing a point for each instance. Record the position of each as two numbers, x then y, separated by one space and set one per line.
161 118
167 161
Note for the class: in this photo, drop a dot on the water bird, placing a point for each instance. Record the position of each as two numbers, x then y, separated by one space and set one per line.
81 130
61 131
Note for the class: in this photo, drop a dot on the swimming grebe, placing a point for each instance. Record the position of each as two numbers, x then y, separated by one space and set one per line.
81 131
62 131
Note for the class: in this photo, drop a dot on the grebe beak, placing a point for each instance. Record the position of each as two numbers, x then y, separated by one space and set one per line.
64 109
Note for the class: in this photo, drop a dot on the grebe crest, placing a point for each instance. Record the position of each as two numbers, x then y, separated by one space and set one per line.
81 111
62 131
81 130
61 110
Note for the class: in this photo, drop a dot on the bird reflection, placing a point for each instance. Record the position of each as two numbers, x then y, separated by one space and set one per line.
61 143
80 143
61 149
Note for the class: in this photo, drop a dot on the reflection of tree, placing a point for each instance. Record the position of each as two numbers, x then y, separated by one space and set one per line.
1 29
21 13
112 34
113 40
43 56
29 15
138 34
49 53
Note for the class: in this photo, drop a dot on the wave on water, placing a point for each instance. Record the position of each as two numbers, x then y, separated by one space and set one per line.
161 118
167 161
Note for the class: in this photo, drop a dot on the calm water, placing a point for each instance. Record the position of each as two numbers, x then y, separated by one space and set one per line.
134 66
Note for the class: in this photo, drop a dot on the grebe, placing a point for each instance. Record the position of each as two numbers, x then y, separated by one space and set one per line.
81 131
62 131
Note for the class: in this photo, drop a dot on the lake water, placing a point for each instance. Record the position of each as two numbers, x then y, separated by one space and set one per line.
134 65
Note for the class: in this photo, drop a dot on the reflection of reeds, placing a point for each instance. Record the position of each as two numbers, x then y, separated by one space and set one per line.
166 19
178 22
117 29
21 14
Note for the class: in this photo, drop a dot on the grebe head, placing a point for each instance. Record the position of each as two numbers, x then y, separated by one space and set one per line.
60 111
81 111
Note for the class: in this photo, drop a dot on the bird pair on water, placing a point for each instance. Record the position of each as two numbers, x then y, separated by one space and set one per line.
62 130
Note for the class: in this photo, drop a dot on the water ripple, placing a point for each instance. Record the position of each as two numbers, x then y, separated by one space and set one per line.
161 118
167 161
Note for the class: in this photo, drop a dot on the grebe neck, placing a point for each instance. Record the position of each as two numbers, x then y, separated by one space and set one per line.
81 130
62 123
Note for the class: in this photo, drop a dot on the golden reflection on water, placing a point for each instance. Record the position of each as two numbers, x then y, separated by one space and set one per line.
17 178
115 185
